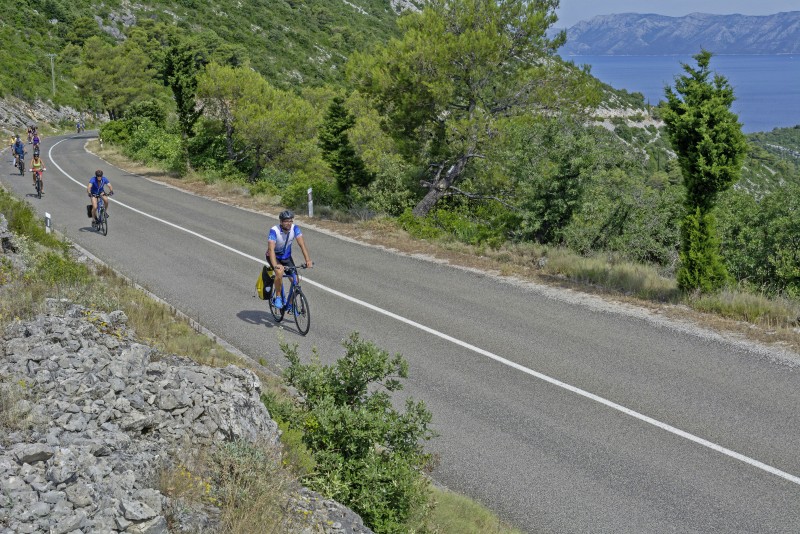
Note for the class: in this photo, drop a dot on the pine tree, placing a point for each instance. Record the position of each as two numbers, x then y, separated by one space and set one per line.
338 152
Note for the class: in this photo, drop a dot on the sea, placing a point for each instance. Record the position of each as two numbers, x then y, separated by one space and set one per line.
766 87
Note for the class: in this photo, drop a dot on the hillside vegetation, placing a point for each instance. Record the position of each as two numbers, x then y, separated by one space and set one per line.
461 129
458 123
291 42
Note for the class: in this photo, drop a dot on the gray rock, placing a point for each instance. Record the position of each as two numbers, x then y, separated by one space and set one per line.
70 523
32 453
137 511
79 495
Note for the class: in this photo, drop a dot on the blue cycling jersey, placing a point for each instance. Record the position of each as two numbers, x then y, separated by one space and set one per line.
283 240
19 147
98 186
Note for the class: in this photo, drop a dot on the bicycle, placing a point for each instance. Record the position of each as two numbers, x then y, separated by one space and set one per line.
294 301
100 223
37 177
21 164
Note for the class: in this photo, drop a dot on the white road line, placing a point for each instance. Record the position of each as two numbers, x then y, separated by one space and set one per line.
649 420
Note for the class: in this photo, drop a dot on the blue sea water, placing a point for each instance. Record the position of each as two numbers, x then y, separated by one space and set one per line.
767 88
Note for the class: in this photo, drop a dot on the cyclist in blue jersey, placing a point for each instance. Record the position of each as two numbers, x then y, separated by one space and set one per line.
19 150
279 249
96 187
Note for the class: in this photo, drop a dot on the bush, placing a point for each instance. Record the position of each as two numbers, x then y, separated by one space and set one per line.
419 227
325 194
116 132
151 110
368 454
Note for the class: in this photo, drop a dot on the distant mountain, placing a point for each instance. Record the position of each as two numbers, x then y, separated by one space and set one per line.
637 34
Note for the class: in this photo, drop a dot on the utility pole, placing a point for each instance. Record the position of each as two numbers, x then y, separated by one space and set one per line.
52 71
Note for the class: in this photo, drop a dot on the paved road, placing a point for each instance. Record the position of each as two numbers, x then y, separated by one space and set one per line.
561 416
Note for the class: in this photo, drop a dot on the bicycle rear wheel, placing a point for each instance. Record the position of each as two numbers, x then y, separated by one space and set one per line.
301 311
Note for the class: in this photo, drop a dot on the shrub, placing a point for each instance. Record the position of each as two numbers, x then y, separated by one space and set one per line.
419 227
368 454
151 110
325 193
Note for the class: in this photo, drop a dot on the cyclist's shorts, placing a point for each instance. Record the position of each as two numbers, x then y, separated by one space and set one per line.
288 262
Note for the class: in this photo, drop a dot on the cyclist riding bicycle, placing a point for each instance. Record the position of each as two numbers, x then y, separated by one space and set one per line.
35 140
19 150
96 187
37 166
279 249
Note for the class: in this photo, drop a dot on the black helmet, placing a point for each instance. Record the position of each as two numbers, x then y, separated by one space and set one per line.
98 173
286 214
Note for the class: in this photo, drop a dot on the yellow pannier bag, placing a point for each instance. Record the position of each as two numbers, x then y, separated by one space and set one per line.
264 283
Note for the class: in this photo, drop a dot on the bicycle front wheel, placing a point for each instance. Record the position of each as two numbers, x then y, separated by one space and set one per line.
38 187
104 223
301 311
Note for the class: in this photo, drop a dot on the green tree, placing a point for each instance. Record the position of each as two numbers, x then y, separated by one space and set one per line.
337 151
708 139
81 29
761 239
459 68
549 182
111 78
369 455
270 126
182 62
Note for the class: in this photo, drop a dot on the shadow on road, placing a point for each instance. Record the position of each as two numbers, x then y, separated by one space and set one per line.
257 317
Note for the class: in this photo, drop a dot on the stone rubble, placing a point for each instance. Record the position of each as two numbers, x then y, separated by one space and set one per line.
103 415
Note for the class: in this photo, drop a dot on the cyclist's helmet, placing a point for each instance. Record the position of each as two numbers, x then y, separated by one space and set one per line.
98 173
36 152
286 214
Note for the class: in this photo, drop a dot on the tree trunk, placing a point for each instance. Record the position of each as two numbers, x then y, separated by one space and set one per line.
440 186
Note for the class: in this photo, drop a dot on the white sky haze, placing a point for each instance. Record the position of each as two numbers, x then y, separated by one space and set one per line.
571 12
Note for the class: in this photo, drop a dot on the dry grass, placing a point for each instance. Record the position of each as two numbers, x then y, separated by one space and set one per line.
455 513
16 399
245 481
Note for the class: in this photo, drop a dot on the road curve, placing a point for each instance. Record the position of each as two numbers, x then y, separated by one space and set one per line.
560 416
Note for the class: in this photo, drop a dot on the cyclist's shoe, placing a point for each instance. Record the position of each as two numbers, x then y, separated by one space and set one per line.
108 215
277 302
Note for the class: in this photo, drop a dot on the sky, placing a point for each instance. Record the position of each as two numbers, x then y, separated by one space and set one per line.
573 11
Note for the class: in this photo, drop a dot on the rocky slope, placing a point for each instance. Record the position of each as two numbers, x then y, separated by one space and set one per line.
89 418
16 115
638 34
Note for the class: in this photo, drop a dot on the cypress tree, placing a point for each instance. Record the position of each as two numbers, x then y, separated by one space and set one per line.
708 139
337 151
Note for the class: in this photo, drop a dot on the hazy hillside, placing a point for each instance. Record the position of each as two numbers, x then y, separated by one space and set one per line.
647 34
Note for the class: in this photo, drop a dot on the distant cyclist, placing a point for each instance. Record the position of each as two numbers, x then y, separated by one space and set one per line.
37 166
35 140
19 150
97 187
279 249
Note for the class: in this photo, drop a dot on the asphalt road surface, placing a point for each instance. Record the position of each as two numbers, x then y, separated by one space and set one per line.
559 413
